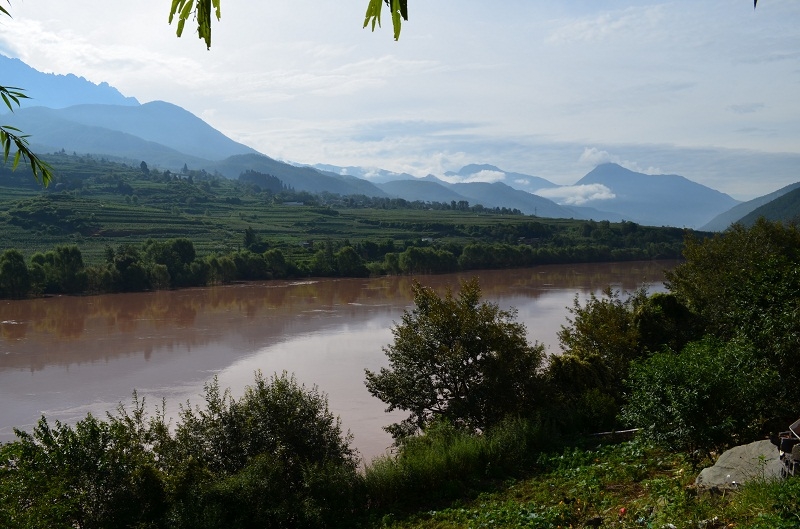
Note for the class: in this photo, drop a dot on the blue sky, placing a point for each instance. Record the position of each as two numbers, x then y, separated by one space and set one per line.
708 90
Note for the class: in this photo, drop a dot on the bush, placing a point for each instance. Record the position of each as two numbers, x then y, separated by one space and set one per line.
709 396
274 458
278 457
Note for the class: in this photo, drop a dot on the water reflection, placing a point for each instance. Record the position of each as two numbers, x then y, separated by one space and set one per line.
65 356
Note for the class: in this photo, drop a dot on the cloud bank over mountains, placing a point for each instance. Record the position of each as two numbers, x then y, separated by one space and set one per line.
577 195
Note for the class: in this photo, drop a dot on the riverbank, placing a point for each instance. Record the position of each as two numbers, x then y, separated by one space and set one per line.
624 486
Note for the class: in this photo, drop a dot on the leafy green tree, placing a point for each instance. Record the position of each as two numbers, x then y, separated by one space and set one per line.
604 335
460 359
582 394
279 457
662 320
709 396
59 271
15 281
70 269
349 263
177 255
96 474
604 327
130 273
276 263
423 260
323 263
744 283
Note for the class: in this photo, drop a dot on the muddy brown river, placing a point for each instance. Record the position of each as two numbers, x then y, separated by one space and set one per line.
67 356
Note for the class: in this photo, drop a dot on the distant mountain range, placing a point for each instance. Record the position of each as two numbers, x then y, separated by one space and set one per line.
758 207
57 91
669 200
75 115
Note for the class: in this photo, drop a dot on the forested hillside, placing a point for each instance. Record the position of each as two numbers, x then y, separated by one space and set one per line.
785 208
125 228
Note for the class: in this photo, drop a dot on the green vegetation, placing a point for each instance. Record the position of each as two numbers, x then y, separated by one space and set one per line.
12 136
459 360
690 400
124 220
627 486
707 365
279 441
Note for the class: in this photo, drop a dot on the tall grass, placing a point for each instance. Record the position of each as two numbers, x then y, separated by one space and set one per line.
446 463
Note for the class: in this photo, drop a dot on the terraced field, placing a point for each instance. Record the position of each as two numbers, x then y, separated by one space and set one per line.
97 203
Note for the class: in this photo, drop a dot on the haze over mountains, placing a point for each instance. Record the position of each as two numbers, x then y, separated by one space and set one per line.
73 114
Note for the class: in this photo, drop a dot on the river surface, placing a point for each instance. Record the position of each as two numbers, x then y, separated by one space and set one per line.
66 356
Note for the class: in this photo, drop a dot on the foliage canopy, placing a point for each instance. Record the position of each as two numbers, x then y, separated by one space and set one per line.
745 284
274 458
459 359
709 396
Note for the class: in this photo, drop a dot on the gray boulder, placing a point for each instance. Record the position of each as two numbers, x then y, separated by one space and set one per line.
758 460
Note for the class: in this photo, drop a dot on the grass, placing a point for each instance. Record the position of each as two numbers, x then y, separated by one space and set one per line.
623 486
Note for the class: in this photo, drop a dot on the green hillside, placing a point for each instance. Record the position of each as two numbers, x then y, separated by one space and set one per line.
785 208
95 203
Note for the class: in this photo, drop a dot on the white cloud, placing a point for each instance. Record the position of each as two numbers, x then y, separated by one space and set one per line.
486 176
593 157
635 21
576 195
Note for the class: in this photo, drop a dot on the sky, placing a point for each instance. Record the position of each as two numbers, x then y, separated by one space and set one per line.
709 90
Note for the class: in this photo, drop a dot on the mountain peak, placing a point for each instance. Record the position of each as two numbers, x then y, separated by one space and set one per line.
473 168
56 90
659 200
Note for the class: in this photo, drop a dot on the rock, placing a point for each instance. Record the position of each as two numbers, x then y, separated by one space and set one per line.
740 464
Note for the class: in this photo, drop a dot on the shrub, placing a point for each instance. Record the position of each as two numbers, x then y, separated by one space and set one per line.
709 396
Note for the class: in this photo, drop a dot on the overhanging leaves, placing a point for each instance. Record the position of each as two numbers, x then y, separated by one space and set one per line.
399 13
9 136
201 11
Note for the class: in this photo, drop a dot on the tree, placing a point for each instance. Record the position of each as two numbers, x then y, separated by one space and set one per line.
459 359
744 284
95 474
605 328
710 396
177 255
15 281
349 263
278 457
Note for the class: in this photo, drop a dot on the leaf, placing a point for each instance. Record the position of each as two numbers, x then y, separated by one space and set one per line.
42 172
11 94
373 13
186 11
174 9
396 20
